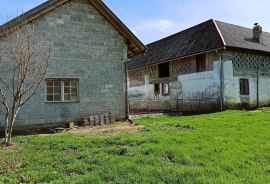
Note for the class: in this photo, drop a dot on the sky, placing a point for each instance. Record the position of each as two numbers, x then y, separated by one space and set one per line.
151 20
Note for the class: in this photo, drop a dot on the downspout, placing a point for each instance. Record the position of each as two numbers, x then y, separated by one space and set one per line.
126 95
221 76
258 97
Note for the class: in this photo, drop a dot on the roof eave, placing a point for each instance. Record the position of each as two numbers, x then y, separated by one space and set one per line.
247 49
176 58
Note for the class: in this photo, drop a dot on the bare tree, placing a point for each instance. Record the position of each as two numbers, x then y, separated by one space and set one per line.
23 65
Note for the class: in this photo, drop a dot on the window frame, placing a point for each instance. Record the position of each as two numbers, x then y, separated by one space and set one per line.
62 92
244 88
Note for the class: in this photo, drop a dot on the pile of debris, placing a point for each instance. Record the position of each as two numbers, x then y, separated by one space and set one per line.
97 120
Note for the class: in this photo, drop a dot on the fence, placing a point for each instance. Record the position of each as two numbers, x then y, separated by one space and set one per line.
198 105
151 106
183 106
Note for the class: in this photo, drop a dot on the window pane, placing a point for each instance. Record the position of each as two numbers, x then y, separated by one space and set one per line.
74 90
67 97
74 97
57 83
74 83
66 83
57 98
49 82
49 98
67 90
49 90
57 90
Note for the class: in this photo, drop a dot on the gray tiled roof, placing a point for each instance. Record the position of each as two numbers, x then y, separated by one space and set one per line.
203 37
241 37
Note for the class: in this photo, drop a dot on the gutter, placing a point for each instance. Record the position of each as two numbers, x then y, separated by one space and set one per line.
257 86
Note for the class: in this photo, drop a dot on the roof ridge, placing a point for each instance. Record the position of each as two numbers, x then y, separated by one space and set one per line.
167 37
32 11
219 32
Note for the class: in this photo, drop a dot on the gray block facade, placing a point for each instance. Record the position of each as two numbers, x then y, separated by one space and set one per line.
85 47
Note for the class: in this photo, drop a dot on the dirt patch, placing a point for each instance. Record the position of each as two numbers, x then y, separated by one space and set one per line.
2 162
108 130
12 147
134 116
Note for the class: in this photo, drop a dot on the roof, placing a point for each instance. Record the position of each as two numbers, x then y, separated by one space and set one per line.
241 37
207 36
135 46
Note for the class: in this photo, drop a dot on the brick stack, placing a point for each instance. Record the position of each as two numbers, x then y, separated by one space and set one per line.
98 120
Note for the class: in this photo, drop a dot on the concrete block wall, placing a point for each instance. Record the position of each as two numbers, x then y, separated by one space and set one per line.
85 47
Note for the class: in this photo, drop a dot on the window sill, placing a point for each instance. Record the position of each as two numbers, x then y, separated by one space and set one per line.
77 101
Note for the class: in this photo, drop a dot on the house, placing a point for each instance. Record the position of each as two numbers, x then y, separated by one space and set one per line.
90 47
211 66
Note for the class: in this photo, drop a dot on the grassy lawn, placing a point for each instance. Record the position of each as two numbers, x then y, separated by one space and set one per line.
228 147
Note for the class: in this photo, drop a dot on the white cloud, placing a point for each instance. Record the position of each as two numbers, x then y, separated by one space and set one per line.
176 15
162 25
155 29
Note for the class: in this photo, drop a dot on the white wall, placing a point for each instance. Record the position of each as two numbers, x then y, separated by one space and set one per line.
208 83
232 87
204 82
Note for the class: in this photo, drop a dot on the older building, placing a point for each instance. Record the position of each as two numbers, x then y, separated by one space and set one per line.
90 48
211 66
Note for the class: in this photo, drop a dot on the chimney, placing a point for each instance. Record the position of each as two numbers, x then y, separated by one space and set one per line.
257 33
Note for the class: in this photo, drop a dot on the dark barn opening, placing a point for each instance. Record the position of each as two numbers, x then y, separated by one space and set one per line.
164 70
201 63
156 89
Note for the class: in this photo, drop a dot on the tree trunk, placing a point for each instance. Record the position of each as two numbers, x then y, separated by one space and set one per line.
6 139
11 125
6 131
9 134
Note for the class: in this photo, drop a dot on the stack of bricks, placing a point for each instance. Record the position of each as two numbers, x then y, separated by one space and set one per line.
98 120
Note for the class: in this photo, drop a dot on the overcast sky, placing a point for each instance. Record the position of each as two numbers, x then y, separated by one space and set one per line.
152 20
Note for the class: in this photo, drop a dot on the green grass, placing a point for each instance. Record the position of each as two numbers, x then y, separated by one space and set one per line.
228 147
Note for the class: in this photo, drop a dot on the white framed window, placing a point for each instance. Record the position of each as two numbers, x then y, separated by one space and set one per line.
165 89
62 90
